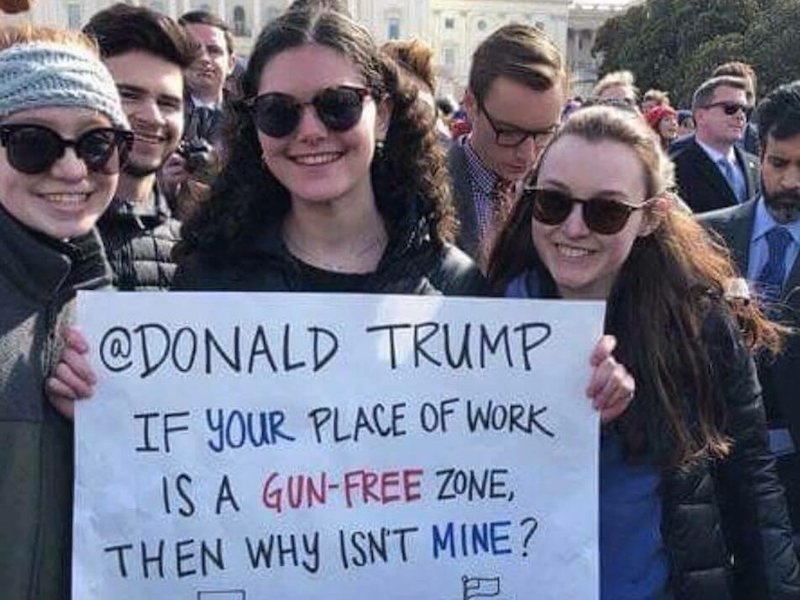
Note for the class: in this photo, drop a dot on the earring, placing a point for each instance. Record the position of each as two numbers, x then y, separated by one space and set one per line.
380 146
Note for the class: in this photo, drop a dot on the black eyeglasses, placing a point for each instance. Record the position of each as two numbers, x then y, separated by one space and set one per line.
513 137
33 149
731 108
601 215
339 108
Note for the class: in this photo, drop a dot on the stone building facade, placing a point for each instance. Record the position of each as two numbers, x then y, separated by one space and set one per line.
453 27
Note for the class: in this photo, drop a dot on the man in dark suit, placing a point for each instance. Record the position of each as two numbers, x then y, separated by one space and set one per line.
764 237
206 76
711 171
517 87
189 172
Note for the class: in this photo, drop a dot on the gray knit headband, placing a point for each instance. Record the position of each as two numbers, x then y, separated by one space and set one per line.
42 74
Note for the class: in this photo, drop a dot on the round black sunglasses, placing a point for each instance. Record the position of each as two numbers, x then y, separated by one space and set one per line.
339 108
602 215
33 149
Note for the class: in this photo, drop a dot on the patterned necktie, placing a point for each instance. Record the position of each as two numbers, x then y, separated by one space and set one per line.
502 202
770 280
730 177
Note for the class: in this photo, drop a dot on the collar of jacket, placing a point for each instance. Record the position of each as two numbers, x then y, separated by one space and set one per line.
42 267
146 216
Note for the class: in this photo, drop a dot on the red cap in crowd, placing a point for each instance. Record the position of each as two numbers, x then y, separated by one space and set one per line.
657 113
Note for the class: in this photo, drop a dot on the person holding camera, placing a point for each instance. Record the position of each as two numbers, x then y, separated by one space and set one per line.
188 174
206 96
146 53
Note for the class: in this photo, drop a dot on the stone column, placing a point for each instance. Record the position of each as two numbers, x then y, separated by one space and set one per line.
257 24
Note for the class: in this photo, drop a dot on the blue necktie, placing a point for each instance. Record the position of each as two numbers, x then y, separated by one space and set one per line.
730 177
772 275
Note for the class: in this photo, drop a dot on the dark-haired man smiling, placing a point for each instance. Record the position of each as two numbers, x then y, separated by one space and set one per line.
146 53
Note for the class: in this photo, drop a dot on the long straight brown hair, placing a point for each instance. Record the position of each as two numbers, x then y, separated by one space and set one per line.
669 288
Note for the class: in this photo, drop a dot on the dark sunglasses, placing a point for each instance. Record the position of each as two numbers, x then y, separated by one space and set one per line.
601 215
731 108
33 149
339 108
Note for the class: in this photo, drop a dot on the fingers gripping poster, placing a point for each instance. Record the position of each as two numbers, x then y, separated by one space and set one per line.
310 446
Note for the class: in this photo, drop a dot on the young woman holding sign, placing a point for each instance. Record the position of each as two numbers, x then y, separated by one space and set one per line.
335 183
690 507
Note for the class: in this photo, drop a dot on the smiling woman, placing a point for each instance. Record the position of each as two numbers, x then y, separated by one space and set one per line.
671 526
45 189
335 183
63 140
334 180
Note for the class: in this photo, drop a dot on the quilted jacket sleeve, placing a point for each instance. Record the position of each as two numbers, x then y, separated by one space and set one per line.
755 518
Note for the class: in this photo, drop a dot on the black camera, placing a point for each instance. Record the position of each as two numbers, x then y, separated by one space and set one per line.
197 153
197 148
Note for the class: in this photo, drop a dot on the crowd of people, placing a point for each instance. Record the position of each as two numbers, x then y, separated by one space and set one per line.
140 155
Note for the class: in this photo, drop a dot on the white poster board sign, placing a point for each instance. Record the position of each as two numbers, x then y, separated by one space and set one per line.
309 447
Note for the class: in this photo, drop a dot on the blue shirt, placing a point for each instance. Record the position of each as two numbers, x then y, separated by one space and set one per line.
759 250
780 440
633 561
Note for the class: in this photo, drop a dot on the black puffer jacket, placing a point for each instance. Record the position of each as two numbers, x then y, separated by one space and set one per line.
412 264
725 523
139 241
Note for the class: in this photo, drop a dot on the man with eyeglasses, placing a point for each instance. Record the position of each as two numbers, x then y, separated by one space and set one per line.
146 53
517 87
763 235
711 171
740 70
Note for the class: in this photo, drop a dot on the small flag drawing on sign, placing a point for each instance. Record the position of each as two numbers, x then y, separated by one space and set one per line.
480 587
222 595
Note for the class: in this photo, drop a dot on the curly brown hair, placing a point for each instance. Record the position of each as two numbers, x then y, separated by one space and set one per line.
408 175
669 284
